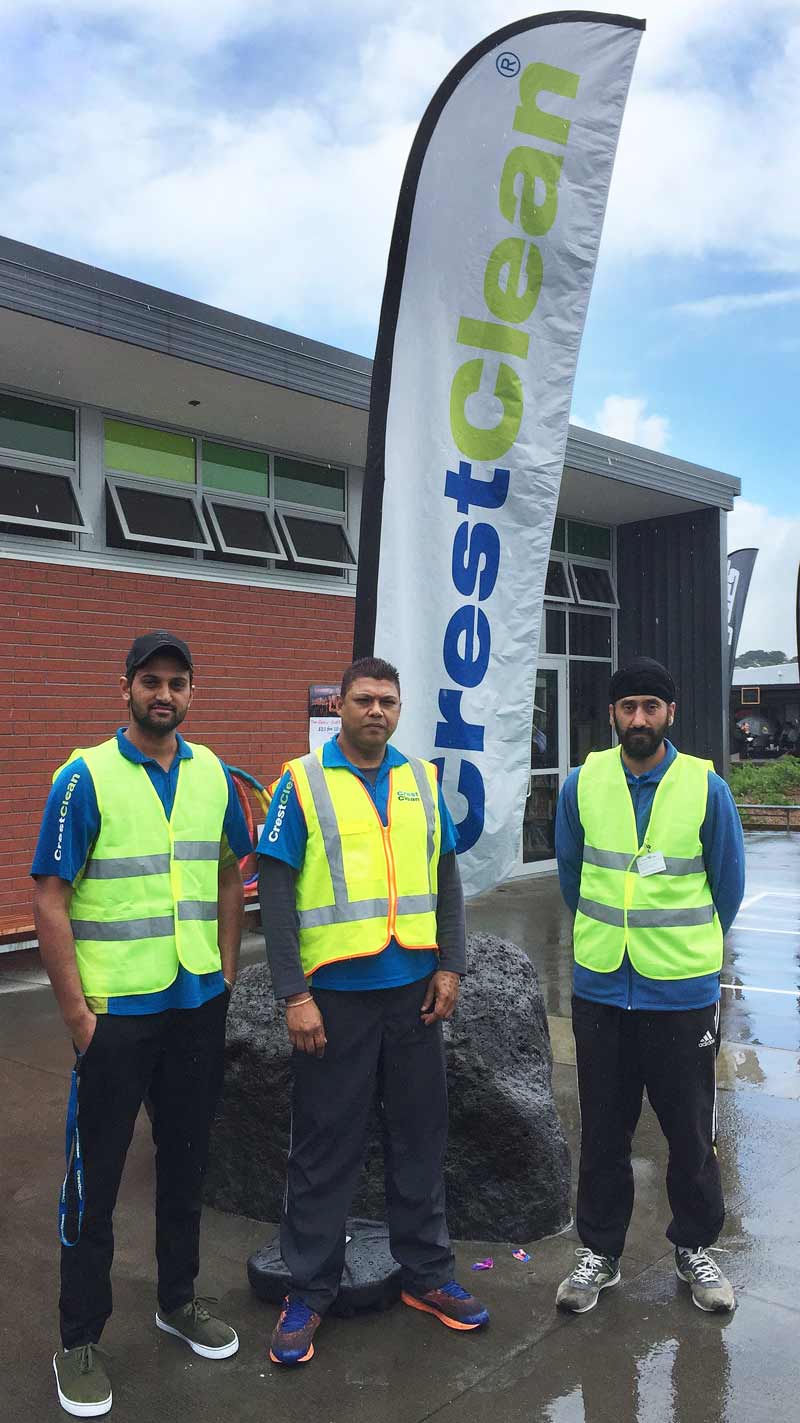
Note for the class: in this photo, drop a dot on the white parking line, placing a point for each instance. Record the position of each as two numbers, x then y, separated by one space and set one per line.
757 929
751 988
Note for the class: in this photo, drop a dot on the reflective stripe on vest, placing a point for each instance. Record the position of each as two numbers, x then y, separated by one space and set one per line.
147 898
362 883
666 921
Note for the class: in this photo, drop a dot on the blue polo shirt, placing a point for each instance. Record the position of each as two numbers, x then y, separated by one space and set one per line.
723 853
63 849
284 837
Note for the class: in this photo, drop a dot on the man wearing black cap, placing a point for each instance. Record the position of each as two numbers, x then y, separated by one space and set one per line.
138 908
651 862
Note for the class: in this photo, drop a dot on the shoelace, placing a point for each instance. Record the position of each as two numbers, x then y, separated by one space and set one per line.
706 1269
198 1308
590 1264
295 1316
454 1290
86 1354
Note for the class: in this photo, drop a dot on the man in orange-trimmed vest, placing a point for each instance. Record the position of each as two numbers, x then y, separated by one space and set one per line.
363 916
651 861
138 907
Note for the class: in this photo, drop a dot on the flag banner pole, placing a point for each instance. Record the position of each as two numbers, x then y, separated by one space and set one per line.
740 570
490 269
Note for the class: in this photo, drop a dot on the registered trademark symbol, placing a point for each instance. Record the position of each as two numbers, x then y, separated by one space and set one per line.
508 64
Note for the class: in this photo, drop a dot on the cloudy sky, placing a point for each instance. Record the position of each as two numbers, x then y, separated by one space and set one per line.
249 154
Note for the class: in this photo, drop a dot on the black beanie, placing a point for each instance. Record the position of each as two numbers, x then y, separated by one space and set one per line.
642 677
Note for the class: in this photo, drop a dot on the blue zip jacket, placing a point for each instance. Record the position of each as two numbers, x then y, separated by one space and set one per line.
723 852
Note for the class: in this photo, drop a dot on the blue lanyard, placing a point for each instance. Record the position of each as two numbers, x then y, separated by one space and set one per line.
74 1160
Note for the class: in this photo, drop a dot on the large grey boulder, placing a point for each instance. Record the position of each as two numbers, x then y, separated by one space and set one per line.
508 1166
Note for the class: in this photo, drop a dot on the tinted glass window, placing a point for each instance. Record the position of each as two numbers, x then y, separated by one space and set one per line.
320 485
246 529
159 454
589 635
555 630
27 494
589 540
314 539
240 471
556 583
589 728
593 584
37 429
154 515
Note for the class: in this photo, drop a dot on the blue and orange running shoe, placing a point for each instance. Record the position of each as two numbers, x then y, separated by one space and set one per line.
292 1339
452 1304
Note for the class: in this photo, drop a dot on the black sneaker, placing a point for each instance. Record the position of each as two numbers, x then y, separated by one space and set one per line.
710 1289
83 1385
581 1290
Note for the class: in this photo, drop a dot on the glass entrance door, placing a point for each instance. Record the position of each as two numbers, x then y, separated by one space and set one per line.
549 760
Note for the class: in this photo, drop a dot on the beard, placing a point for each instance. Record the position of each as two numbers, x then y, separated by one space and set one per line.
642 742
156 726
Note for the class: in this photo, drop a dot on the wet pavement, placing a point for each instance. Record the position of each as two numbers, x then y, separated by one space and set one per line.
645 1355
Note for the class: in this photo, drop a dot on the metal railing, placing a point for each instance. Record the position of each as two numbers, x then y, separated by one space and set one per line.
777 811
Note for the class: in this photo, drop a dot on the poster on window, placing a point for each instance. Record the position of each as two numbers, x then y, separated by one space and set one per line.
323 717
489 273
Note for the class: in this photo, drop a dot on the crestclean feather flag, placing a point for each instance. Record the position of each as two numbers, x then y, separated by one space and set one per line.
488 281
740 570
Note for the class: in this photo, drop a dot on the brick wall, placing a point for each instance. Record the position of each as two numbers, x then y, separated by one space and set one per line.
64 633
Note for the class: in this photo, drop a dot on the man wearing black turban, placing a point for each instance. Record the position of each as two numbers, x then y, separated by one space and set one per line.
651 862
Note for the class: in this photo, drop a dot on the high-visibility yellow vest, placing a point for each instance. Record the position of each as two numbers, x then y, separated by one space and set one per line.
146 900
666 921
363 883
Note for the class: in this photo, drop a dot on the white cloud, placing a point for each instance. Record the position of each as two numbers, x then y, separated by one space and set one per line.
127 141
715 306
769 615
624 418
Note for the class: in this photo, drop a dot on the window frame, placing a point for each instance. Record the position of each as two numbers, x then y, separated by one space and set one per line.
602 566
47 464
188 493
317 517
255 505
62 469
556 597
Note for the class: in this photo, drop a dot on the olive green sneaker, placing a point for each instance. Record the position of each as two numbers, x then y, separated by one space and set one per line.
710 1289
581 1290
83 1385
200 1329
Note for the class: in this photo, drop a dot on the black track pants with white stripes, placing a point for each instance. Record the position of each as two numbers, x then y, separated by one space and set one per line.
620 1054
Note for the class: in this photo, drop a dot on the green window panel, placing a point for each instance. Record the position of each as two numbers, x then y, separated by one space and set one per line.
239 471
589 540
36 429
559 537
321 486
159 454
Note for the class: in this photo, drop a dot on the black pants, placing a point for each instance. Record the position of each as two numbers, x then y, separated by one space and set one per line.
377 1043
673 1056
175 1058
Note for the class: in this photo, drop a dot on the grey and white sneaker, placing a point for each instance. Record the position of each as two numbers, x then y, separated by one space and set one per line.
581 1290
710 1289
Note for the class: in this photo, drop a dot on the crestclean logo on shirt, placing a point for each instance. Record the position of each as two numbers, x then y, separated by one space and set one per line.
282 804
62 814
408 795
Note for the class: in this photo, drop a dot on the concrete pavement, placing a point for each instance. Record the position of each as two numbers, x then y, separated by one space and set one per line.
644 1354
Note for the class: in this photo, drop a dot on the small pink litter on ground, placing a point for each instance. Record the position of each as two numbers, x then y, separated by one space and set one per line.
487 1264
521 1255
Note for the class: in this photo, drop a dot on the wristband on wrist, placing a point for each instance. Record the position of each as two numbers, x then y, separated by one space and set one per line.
228 983
300 1001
